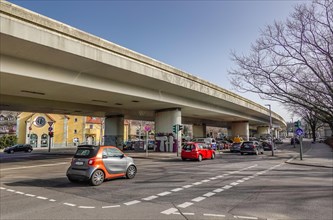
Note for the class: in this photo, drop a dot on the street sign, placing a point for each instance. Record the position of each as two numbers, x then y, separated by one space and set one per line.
50 129
50 123
299 131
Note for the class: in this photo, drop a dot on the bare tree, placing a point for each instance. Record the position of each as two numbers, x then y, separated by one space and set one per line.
292 61
310 117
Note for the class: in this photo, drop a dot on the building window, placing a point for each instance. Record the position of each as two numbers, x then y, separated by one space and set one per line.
91 126
75 131
75 119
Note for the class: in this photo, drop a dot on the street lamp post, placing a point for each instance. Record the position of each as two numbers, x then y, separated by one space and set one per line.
270 127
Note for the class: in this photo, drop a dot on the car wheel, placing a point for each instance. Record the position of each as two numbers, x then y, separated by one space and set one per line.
29 150
11 151
213 156
242 153
97 178
131 171
200 158
183 158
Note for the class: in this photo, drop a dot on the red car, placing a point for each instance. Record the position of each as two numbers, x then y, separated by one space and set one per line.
197 151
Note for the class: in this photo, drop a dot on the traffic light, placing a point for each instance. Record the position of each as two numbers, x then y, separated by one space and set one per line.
297 124
51 133
175 128
181 127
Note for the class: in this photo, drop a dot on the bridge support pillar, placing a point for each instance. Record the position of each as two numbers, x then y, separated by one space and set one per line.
262 131
114 131
240 129
164 121
199 130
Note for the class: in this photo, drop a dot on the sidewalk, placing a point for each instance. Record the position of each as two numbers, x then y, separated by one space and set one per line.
317 154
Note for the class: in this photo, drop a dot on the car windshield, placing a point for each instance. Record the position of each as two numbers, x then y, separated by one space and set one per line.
86 152
248 144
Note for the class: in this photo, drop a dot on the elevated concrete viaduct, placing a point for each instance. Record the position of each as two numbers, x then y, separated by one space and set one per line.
47 66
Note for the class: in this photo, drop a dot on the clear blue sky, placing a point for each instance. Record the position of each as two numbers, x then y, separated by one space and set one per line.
194 36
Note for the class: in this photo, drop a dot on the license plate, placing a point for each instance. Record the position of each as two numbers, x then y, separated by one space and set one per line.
188 151
80 163
247 146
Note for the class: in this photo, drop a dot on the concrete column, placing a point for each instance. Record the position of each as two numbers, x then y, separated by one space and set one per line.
262 131
240 129
114 131
275 133
164 121
199 130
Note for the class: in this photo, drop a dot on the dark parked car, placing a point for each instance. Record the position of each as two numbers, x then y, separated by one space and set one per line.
17 148
251 147
295 139
267 146
235 147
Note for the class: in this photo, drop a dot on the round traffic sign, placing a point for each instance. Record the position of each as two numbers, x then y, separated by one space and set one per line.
50 129
299 131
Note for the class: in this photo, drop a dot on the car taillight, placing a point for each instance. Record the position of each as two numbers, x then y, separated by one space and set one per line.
91 161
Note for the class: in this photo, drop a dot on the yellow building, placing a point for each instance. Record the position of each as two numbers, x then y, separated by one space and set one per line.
67 130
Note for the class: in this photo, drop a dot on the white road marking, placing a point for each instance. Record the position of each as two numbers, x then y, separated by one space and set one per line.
150 198
213 178
234 183
205 181
42 165
18 192
185 205
187 186
41 197
188 213
169 211
69 204
86 207
11 190
177 189
244 217
30 195
52 200
2 188
198 199
197 183
164 193
132 202
218 190
111 206
214 215
227 187
220 176
209 194
240 181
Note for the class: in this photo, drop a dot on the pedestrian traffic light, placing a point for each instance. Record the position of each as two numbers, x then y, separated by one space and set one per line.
51 133
175 128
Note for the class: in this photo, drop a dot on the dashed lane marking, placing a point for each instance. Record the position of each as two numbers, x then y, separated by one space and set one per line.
164 193
218 190
185 205
209 194
69 204
110 206
30 195
169 211
41 197
177 189
150 198
198 199
187 186
244 217
86 207
132 202
214 215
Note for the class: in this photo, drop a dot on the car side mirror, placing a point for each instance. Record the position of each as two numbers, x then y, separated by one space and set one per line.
122 156
104 156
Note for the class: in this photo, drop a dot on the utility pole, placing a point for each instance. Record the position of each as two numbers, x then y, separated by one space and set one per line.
270 127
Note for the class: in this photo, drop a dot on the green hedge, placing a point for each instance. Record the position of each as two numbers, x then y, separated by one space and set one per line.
7 140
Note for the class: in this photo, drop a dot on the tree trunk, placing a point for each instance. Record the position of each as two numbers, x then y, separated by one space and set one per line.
313 129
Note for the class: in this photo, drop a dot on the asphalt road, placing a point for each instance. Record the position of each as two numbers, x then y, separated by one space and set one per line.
34 186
